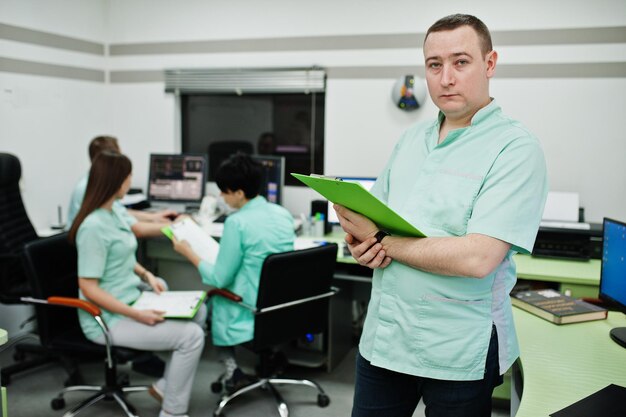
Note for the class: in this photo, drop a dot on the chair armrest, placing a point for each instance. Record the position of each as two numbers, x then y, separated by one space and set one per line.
90 308
332 291
226 294
231 296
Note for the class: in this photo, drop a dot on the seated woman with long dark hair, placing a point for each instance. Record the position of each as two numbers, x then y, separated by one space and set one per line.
110 277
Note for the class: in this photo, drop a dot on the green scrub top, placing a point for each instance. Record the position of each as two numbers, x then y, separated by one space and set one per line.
257 230
106 252
488 178
76 200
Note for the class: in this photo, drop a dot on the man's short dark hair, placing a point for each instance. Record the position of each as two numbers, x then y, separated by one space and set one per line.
102 143
240 172
455 21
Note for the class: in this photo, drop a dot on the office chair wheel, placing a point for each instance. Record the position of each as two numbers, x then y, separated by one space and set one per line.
323 400
57 403
216 387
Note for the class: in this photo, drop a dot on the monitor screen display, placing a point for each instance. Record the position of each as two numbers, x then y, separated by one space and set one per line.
273 177
366 182
613 276
177 178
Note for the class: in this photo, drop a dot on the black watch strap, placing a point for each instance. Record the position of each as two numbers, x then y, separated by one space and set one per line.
380 235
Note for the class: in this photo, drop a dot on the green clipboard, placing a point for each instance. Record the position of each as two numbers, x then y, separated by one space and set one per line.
356 198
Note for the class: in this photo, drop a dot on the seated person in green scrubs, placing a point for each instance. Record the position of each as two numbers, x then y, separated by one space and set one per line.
110 277
256 230
143 223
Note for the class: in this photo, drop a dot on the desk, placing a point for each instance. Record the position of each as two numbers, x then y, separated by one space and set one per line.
354 281
563 364
582 278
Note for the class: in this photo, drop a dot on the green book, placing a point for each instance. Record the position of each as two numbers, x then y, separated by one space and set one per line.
353 196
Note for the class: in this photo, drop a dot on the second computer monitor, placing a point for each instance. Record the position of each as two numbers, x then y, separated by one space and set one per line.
366 182
613 272
273 180
177 178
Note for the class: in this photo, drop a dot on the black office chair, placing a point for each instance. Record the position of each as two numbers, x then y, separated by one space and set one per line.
220 151
15 231
293 300
51 266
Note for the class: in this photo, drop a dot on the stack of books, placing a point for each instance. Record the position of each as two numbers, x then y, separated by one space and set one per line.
556 307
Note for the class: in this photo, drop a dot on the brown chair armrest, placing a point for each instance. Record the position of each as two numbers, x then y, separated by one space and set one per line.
226 294
90 308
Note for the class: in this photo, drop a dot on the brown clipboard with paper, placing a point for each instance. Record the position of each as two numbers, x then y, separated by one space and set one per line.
353 196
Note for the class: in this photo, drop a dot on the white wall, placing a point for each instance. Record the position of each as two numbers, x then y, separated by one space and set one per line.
164 20
48 122
578 120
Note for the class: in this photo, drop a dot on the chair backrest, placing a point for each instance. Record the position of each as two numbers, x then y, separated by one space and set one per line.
220 151
15 228
292 276
51 267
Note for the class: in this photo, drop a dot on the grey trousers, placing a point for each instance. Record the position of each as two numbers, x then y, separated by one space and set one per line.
184 338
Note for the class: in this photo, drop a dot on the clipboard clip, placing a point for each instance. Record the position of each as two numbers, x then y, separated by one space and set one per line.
326 177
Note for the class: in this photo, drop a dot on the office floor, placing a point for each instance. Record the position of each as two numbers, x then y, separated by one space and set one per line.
30 393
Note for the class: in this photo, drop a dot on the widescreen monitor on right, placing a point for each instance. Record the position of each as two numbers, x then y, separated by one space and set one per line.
613 276
366 182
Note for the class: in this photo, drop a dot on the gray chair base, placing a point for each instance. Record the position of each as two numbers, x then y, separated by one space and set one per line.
116 394
268 383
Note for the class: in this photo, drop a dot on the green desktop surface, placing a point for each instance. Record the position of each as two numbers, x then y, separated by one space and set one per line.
585 272
563 364
356 198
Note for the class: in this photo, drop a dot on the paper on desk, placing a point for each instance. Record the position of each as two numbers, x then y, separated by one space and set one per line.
561 206
200 241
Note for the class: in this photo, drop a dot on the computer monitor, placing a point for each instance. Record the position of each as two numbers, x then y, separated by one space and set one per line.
273 177
177 179
613 275
366 182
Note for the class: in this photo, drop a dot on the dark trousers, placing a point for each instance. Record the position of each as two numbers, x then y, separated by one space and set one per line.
382 393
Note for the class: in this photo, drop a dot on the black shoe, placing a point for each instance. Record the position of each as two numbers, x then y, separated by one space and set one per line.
238 381
150 365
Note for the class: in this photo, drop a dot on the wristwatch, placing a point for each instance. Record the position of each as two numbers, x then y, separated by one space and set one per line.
380 235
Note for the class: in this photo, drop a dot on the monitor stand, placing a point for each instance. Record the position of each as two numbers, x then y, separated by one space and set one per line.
618 334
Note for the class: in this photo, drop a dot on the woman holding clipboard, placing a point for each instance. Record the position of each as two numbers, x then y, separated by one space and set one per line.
110 277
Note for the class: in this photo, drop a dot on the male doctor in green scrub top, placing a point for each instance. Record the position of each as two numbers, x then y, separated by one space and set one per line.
439 325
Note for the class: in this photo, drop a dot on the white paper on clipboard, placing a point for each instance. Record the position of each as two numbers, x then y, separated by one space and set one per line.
200 241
